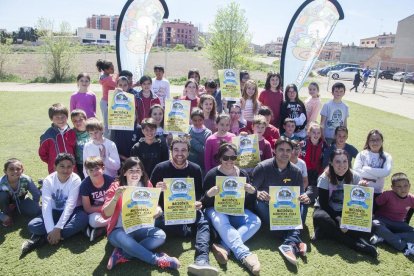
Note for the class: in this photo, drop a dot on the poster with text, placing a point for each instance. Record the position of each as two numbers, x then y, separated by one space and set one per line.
121 110
229 84
139 205
177 116
284 208
230 199
248 153
357 208
179 201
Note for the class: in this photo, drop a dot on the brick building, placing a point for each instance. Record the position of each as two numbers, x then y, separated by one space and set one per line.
176 32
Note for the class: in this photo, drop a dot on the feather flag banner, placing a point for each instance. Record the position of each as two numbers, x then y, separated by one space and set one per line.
138 27
307 33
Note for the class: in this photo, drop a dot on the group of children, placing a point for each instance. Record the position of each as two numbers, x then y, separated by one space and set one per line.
83 161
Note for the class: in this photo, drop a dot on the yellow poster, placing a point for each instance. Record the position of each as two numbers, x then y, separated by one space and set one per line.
357 208
121 110
230 199
179 201
248 153
284 208
230 84
139 205
177 116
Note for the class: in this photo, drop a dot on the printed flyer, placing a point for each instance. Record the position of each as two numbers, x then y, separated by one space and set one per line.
248 153
179 201
230 199
177 116
284 208
357 208
229 84
121 110
139 205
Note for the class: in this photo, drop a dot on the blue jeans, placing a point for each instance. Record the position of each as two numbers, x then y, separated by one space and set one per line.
289 236
138 244
26 207
75 224
201 228
396 233
235 230
304 212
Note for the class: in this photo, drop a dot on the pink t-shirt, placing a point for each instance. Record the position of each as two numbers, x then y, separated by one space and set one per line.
211 148
313 106
108 83
265 150
393 207
85 101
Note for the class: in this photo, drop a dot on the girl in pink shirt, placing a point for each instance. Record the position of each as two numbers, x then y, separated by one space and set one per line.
313 104
84 99
208 105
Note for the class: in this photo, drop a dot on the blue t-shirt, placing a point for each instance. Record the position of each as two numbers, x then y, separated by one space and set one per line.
96 195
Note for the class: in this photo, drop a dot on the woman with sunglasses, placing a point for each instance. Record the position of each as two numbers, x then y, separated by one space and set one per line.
233 230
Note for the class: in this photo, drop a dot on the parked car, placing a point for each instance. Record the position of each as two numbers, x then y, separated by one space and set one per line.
409 78
324 71
399 76
386 74
374 73
345 73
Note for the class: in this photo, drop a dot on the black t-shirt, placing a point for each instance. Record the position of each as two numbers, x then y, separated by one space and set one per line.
150 155
96 195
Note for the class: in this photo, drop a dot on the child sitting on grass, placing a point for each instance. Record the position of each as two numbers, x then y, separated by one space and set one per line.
389 224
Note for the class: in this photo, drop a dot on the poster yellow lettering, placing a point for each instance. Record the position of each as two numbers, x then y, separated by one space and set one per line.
357 208
284 208
230 199
229 84
248 153
121 110
179 201
139 205
177 116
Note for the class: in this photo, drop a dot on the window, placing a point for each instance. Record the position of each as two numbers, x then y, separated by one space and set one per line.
98 23
89 35
102 36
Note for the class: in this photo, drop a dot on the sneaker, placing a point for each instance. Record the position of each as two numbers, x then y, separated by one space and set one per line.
410 249
96 233
220 253
363 246
116 257
165 261
8 221
252 263
303 248
375 239
288 253
87 231
33 243
202 268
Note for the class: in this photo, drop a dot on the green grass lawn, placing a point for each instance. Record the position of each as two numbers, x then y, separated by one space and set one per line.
24 118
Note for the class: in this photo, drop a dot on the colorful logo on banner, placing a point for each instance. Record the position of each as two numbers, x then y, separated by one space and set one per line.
284 208
179 201
229 84
231 196
121 110
357 208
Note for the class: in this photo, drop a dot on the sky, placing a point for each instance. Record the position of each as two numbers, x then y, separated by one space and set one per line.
267 19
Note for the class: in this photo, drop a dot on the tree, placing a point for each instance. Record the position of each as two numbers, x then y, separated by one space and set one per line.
5 56
229 41
60 50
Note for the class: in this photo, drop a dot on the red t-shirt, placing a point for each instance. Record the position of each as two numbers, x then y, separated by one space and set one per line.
274 101
393 207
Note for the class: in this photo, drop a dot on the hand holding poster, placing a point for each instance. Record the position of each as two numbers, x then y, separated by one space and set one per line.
177 116
284 208
229 84
179 201
248 153
357 208
139 205
230 199
121 110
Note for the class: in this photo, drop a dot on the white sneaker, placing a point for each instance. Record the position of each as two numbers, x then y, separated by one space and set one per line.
375 240
410 249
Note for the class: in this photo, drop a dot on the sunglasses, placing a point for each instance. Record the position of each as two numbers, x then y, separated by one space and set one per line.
227 158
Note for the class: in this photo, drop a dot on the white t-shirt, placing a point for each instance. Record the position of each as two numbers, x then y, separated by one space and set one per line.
161 88
302 167
112 162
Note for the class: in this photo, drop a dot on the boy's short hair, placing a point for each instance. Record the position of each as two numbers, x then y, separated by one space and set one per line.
56 109
93 124
78 112
341 128
338 85
126 73
159 67
197 112
265 111
64 156
93 161
259 120
148 122
180 139
283 139
210 83
289 120
397 177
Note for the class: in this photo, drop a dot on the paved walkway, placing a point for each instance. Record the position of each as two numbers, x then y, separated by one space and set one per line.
388 99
